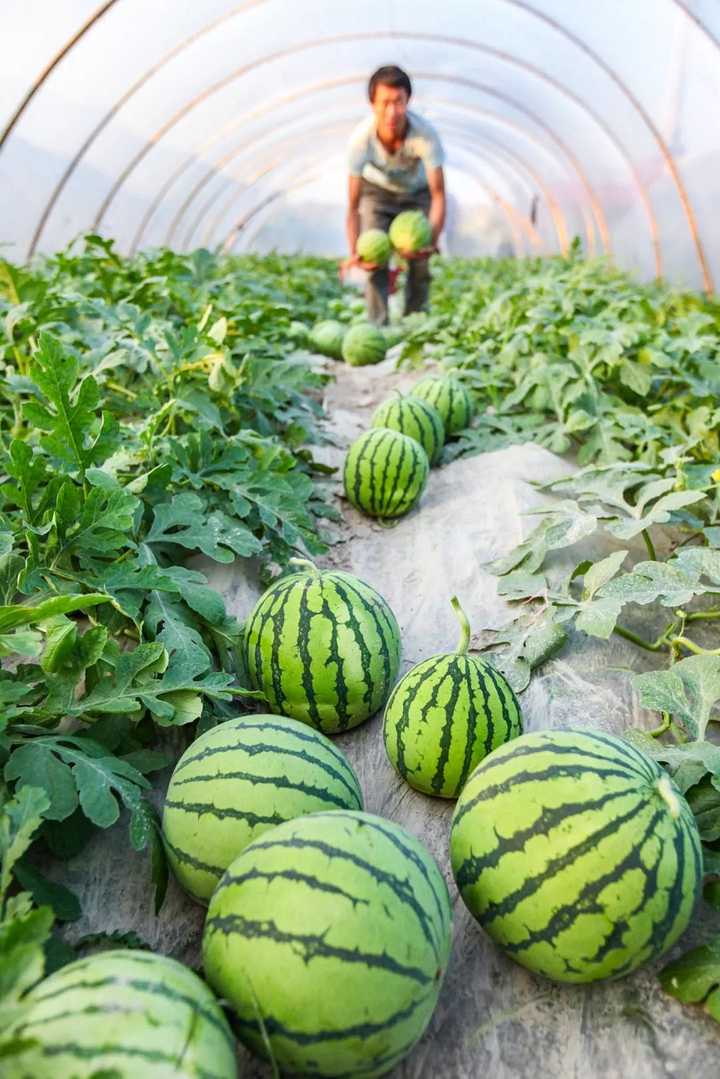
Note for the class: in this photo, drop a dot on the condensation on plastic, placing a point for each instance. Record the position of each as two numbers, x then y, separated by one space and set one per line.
224 124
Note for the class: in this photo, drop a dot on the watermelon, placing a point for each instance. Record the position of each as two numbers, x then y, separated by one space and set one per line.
450 398
385 472
410 231
123 1013
241 778
445 715
324 648
577 854
416 418
333 929
326 337
364 344
373 245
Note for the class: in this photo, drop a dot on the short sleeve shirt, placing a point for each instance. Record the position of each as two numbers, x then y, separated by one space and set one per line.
405 171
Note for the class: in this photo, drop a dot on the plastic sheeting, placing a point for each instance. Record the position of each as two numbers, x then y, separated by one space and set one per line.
224 124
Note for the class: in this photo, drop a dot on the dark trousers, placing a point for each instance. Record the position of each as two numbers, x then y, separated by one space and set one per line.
378 208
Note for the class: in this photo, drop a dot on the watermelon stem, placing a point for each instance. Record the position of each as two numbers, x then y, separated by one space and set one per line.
306 564
464 641
666 792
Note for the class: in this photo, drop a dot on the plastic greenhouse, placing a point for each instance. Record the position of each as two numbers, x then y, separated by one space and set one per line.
209 531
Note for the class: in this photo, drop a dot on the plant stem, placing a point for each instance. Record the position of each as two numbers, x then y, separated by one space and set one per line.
649 544
306 564
464 641
649 646
703 616
662 727
692 647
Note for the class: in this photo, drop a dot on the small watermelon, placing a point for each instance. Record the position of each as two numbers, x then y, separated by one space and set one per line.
335 929
450 398
327 337
385 472
416 418
577 854
364 344
122 1013
373 245
410 231
445 715
324 648
241 778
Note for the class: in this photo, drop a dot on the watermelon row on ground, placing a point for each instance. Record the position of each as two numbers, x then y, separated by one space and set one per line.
627 890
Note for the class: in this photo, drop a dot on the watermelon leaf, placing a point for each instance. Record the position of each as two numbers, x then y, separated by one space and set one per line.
688 691
694 978
73 769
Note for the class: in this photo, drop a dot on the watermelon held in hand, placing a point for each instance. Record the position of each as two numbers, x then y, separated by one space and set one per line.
326 337
450 398
324 648
335 929
445 715
122 1013
416 418
373 245
385 473
410 231
577 854
364 344
240 779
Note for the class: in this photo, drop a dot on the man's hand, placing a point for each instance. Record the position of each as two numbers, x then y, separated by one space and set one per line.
423 253
355 260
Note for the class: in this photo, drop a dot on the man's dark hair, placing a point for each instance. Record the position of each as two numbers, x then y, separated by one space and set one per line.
390 75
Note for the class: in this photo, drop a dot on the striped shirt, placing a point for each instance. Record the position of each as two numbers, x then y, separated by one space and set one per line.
405 171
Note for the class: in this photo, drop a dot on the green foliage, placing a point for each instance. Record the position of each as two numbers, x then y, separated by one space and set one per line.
694 978
151 410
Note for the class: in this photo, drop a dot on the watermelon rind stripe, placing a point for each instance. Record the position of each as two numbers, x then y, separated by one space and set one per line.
280 782
583 900
441 902
294 875
357 1030
303 644
313 945
343 586
184 857
457 680
397 885
253 748
470 869
569 770
138 985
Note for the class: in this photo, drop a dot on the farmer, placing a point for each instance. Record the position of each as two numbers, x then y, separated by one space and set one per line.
395 162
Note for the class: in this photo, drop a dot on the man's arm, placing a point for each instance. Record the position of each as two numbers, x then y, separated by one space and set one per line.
436 216
352 221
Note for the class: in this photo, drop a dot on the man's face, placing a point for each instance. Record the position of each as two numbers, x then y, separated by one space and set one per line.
390 106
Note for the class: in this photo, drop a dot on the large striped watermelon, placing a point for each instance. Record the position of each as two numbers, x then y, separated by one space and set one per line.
416 418
334 930
241 778
577 854
324 648
449 397
445 715
123 1013
364 344
385 472
326 337
410 231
